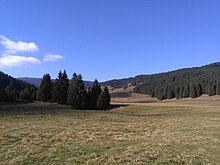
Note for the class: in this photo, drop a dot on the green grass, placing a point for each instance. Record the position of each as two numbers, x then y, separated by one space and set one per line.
45 133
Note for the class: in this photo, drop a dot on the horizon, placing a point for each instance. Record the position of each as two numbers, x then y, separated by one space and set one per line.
107 40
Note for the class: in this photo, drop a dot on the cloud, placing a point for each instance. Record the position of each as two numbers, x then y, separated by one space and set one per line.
52 57
19 46
9 61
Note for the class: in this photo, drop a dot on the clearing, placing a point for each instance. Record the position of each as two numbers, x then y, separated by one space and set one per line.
168 132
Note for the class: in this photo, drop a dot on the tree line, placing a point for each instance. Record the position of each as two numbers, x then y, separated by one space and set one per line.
73 92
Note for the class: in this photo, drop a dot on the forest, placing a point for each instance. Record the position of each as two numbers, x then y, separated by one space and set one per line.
183 83
63 91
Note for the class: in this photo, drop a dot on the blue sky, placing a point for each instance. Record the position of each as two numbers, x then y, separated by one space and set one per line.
107 39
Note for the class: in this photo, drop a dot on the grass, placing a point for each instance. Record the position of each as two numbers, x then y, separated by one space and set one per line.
155 133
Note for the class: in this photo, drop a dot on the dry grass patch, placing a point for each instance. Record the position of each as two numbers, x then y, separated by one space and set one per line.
45 133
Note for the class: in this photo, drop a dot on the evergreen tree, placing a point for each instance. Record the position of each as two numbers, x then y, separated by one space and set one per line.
177 92
218 88
10 93
95 92
60 88
104 99
198 90
192 91
211 89
186 91
45 89
77 93
26 94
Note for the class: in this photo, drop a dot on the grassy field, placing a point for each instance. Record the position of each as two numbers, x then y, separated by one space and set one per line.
167 132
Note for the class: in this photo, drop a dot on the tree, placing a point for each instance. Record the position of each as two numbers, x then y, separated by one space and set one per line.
95 92
104 99
10 93
198 90
60 88
211 89
186 91
218 88
77 93
45 89
26 94
192 91
177 92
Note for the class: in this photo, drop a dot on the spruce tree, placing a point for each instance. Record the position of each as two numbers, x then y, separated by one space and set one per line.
95 92
186 91
192 91
77 93
198 90
10 93
45 89
104 99
211 89
218 88
60 88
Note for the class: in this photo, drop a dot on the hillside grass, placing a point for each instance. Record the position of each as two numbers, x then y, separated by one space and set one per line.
169 132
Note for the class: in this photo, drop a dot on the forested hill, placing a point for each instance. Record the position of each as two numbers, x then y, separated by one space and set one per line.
188 82
12 89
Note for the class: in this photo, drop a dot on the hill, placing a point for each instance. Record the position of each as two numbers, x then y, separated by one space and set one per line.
182 83
36 81
11 89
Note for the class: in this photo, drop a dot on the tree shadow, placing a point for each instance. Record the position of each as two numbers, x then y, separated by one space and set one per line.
116 106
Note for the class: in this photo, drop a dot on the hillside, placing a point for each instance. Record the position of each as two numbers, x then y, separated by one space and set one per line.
182 83
36 81
11 89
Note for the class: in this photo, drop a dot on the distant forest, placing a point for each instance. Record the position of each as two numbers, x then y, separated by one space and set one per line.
62 90
183 83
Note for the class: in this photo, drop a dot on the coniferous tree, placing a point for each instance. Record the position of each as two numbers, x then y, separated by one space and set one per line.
60 88
211 89
177 92
218 88
186 91
77 93
198 90
95 92
10 93
26 94
45 89
192 91
104 99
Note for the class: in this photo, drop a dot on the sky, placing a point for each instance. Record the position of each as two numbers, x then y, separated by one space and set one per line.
107 39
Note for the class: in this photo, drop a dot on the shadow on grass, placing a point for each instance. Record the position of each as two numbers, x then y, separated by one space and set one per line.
116 106
44 108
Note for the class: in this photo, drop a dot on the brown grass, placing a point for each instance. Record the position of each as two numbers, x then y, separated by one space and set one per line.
169 132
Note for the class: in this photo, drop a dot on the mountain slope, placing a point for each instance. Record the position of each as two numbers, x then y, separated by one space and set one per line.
188 82
36 81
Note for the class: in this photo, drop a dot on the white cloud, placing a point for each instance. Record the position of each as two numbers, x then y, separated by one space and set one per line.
9 61
19 46
52 57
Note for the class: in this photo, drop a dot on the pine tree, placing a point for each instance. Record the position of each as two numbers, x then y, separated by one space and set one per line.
95 92
77 93
45 89
104 99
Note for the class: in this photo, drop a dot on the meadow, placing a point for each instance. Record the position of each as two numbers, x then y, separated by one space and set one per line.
168 132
